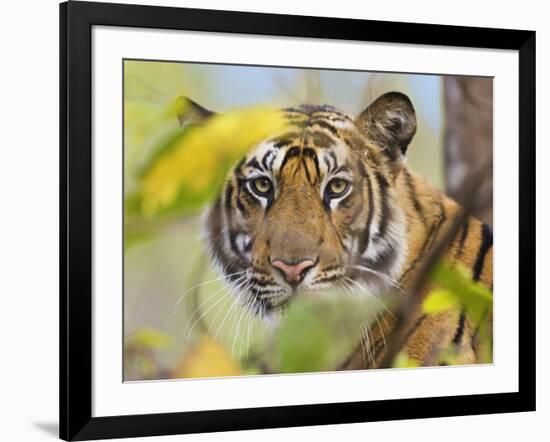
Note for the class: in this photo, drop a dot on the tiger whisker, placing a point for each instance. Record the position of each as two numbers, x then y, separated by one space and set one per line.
364 339
225 277
227 314
239 319
377 315
201 305
210 308
223 308
248 330
203 314
363 290
207 300
247 318
370 343
365 335
381 275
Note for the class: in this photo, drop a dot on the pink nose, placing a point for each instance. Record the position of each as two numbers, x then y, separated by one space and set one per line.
293 273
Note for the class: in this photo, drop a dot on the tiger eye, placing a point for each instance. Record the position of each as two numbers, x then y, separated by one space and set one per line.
262 185
337 186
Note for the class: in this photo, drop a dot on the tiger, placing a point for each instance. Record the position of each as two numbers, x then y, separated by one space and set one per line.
332 199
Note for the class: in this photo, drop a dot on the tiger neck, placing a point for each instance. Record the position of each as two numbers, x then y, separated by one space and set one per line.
426 212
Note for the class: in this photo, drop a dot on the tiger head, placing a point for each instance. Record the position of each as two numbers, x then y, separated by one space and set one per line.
316 207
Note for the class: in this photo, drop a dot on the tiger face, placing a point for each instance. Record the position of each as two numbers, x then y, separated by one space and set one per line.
315 208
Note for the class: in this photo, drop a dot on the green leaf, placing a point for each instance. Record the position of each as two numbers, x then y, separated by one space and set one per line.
150 338
318 333
449 356
473 296
135 237
303 342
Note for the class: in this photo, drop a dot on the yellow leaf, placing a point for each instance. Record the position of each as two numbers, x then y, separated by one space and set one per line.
473 296
207 359
199 161
150 338
402 360
440 300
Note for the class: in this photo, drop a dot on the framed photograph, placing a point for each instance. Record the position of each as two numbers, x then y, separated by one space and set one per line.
274 220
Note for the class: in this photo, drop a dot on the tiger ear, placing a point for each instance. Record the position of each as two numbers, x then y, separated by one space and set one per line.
390 122
190 112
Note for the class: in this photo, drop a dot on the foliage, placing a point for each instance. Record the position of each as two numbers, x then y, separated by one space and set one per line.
172 170
318 334
207 359
303 343
402 360
455 290
189 166
139 353
147 337
315 335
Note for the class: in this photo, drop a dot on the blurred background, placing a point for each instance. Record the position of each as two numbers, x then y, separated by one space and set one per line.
179 320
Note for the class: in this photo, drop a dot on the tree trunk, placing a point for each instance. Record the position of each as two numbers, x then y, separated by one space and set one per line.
468 136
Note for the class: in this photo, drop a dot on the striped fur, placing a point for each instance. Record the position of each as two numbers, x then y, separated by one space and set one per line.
386 220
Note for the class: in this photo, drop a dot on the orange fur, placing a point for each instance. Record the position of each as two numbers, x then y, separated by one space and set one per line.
386 221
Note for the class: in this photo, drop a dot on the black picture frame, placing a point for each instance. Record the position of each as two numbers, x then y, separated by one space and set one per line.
76 238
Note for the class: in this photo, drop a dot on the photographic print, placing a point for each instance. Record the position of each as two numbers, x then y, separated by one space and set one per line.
287 220
296 231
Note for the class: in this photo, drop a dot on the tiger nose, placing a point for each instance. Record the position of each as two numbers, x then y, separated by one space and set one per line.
293 272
